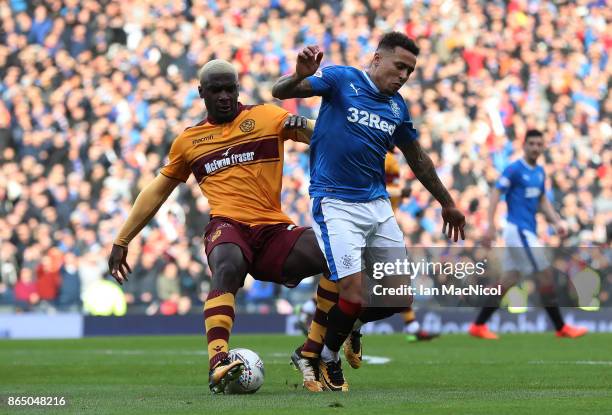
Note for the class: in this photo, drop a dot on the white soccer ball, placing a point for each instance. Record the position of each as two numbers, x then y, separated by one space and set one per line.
252 376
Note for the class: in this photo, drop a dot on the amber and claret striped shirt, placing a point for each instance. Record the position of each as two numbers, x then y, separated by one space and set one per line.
238 165
392 176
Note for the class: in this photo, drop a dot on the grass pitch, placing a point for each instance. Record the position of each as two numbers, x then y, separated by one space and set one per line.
519 374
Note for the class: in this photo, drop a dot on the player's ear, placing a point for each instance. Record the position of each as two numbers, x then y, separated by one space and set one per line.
376 58
200 91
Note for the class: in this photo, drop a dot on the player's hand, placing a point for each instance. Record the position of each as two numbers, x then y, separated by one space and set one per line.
561 229
295 122
308 61
454 223
117 263
489 237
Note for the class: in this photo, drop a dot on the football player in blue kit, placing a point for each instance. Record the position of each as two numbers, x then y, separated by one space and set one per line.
362 115
523 183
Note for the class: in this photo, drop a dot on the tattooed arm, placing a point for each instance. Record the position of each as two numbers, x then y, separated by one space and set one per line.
296 85
424 170
291 86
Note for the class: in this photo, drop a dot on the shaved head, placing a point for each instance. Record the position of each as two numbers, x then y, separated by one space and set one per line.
216 67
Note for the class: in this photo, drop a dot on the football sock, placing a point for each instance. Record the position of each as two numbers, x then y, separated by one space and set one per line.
485 314
409 316
554 312
218 320
340 321
329 355
548 296
327 297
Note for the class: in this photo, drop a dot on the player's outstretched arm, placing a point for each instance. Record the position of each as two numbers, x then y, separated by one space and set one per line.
425 171
552 216
145 207
296 85
298 128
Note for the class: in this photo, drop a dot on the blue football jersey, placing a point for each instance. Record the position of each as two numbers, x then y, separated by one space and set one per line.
523 186
355 127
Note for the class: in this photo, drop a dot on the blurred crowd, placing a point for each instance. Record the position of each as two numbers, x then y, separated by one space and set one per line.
93 93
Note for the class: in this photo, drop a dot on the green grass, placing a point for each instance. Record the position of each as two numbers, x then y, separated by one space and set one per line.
520 374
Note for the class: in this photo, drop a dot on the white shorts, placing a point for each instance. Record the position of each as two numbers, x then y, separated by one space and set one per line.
524 252
343 229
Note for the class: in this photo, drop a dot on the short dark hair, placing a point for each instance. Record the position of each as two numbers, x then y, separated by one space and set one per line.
533 133
396 39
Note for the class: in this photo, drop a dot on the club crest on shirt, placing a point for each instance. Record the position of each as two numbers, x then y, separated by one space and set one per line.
395 109
247 125
215 235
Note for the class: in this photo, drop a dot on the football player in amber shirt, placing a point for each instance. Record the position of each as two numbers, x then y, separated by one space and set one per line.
236 155
392 176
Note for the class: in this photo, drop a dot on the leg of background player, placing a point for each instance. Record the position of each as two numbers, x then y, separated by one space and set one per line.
411 325
413 329
548 293
479 328
305 313
229 269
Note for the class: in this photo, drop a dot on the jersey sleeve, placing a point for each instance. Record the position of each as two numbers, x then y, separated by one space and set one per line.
405 131
176 168
277 116
324 81
505 180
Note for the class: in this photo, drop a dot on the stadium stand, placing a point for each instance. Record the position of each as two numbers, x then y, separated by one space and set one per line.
93 93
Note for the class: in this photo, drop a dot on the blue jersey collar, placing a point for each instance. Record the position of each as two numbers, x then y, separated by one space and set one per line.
527 164
383 97
367 77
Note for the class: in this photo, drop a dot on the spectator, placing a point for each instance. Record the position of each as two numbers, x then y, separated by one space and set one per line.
26 292
168 289
104 298
144 279
93 93
69 298
48 280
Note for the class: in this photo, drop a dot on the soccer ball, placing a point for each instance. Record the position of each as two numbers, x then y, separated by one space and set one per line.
252 376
